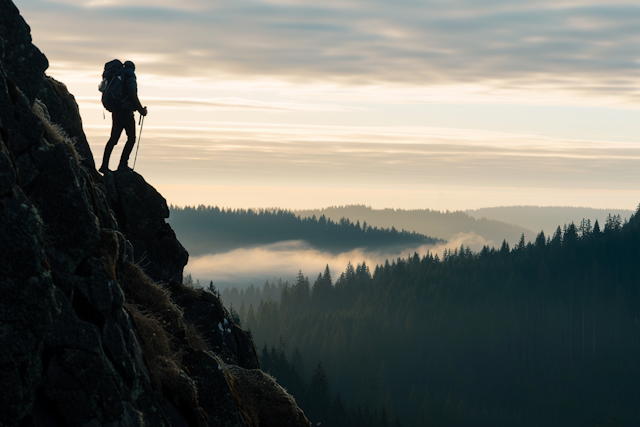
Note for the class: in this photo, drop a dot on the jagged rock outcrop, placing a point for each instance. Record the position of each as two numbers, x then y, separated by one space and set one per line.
141 212
207 313
23 62
96 328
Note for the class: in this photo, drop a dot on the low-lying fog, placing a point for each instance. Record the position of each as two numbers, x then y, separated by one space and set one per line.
245 266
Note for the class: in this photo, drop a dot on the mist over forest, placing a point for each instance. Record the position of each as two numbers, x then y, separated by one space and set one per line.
253 265
210 230
544 332
240 247
368 325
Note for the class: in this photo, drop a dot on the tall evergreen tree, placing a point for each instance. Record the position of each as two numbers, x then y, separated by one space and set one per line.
320 395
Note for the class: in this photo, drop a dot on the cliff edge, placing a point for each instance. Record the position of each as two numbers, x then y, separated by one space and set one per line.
95 325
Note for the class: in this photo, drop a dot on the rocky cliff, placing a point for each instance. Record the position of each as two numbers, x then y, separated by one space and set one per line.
96 327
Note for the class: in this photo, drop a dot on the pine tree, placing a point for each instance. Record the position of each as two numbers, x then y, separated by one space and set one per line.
384 420
320 394
322 290
188 281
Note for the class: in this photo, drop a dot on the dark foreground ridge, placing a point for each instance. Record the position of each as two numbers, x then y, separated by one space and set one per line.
96 328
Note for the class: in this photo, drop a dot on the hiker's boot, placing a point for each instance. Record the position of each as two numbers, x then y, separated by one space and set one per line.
123 167
126 152
105 158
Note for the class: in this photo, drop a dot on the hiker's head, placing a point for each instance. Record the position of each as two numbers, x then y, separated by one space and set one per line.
129 65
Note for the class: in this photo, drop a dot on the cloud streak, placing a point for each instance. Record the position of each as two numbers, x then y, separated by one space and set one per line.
581 47
407 157
214 104
296 166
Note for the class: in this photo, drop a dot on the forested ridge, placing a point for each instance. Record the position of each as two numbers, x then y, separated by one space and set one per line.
208 229
544 217
544 333
436 223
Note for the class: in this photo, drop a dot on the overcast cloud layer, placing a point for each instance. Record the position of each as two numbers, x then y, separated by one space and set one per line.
580 47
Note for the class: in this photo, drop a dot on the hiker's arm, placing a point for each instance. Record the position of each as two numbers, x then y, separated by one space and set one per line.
132 87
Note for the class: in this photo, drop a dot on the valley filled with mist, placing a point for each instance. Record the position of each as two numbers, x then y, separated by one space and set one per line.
241 247
428 318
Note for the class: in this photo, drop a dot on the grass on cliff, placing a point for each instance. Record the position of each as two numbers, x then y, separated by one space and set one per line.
163 334
53 133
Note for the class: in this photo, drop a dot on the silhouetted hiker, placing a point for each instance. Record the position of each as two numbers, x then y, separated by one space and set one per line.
120 96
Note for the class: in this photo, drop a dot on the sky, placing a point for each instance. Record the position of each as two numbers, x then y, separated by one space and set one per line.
455 104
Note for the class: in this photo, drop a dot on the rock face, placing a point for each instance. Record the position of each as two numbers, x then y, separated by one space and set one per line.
95 325
205 310
141 211
64 111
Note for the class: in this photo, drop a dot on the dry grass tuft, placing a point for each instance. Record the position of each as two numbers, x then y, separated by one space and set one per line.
155 341
160 316
141 290
185 295
250 418
265 401
59 88
54 133
167 377
194 338
163 335
155 299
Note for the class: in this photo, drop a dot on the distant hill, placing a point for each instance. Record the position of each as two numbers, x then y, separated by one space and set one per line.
209 230
444 225
546 218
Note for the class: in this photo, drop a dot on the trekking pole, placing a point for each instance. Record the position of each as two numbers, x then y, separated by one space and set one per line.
141 123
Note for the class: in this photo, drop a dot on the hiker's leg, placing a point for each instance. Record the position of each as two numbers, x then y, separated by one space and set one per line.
116 131
130 129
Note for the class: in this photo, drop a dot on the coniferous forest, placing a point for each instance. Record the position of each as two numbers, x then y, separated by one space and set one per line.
208 229
542 333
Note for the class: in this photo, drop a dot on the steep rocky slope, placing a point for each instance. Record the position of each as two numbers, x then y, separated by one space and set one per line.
95 325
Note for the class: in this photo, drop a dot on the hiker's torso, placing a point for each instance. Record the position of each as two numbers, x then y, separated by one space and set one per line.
130 91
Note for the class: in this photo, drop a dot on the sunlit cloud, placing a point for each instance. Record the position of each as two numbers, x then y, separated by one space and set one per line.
101 4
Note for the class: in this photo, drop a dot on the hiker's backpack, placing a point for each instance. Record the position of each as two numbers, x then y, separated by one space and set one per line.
111 86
